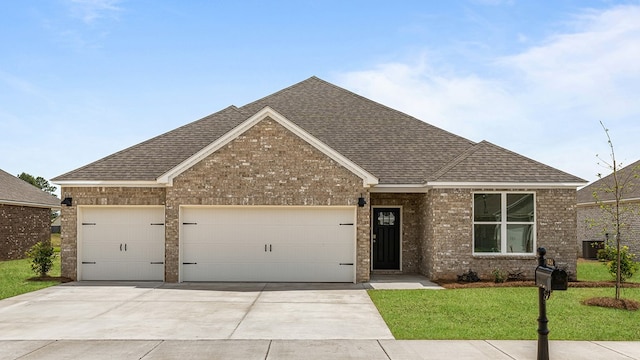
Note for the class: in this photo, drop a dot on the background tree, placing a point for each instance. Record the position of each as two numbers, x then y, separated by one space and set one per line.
39 182
42 184
615 211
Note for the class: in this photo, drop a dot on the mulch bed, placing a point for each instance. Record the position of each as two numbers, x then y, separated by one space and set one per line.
622 304
608 302
51 278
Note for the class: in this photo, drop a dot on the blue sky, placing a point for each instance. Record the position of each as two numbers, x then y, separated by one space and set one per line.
81 79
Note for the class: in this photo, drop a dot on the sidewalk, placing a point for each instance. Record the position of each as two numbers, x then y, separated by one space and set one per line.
312 349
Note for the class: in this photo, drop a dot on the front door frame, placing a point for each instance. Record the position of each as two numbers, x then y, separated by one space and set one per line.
399 207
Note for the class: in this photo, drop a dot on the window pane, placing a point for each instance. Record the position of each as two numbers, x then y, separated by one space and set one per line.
520 207
519 238
486 207
486 238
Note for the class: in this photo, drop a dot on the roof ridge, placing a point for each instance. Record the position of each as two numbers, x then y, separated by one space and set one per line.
278 92
355 95
390 108
457 160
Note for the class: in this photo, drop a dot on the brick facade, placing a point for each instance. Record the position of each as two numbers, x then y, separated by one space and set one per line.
266 165
21 227
449 244
594 223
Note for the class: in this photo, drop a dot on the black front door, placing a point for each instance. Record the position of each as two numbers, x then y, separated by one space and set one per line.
386 238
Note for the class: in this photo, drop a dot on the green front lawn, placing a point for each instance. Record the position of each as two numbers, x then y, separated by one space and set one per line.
594 270
15 275
504 313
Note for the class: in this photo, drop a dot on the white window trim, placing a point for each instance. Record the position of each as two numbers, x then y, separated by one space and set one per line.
503 224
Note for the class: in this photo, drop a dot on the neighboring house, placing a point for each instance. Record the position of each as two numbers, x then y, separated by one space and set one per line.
55 225
313 183
25 216
595 224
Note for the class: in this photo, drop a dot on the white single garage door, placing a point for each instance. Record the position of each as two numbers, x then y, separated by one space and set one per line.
250 243
121 243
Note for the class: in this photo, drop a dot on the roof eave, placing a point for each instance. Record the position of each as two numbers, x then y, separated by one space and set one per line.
29 204
423 188
110 183
506 184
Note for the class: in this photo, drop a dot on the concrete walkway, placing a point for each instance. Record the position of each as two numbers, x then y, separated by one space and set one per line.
239 321
312 349
192 311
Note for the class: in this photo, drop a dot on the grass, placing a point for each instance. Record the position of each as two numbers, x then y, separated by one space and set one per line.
594 270
55 241
15 274
503 314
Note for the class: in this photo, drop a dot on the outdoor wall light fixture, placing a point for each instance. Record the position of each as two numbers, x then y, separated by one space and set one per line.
361 201
66 201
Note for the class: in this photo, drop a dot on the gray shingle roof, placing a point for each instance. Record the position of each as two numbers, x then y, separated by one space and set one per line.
150 159
14 190
486 162
395 147
628 177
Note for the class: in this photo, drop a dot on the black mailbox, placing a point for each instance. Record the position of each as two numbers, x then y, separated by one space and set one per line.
551 278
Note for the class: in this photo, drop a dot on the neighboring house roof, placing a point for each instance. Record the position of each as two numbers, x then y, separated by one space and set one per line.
15 191
396 148
628 178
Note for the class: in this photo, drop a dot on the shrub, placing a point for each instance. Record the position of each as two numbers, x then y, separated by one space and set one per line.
41 255
628 265
469 276
498 276
607 253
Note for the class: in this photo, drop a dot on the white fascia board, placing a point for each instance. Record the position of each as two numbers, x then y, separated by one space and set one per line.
423 188
94 183
367 178
591 203
503 185
28 204
400 188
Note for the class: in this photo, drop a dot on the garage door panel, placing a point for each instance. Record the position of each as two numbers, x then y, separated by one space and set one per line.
312 253
268 243
122 243
117 270
221 252
287 272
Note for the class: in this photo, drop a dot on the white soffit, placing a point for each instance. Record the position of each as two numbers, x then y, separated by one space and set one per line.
503 185
367 178
423 188
108 183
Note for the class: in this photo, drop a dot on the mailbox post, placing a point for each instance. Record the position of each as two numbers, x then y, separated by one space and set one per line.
547 280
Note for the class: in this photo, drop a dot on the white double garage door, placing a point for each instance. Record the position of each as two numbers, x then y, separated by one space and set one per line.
224 243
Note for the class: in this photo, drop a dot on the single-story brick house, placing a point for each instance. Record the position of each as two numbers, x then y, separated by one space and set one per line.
596 222
312 183
25 216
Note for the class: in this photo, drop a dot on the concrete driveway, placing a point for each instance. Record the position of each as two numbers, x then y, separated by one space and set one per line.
192 311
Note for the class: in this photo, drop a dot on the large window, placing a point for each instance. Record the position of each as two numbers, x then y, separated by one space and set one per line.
504 223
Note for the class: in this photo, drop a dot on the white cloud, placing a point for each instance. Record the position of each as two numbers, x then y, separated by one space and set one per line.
90 10
545 101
